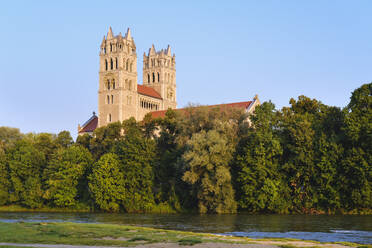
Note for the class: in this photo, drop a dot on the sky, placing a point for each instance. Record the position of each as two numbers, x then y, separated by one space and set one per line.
226 51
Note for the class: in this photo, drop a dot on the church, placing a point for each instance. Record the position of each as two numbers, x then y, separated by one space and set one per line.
119 94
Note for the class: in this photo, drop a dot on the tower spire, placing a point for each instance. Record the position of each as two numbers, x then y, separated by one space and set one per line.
128 34
168 52
110 35
152 50
103 41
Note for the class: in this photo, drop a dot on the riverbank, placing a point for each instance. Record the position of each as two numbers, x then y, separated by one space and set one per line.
162 210
124 236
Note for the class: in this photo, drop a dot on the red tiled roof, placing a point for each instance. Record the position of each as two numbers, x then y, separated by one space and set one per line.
147 91
90 125
245 105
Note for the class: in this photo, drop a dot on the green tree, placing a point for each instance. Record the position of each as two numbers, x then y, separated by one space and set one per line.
45 142
65 175
8 137
356 180
168 153
64 139
25 165
298 164
136 154
207 158
4 181
106 183
358 120
84 140
356 171
105 138
260 187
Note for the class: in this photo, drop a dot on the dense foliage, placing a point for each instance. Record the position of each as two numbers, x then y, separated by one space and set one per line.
305 158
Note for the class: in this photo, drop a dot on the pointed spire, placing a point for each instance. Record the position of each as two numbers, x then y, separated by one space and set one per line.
120 35
169 51
103 41
110 35
128 35
152 50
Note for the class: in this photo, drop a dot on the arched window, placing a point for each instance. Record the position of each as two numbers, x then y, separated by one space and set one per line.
153 77
127 64
131 67
112 99
106 65
112 64
158 77
109 118
116 63
110 47
108 99
148 78
113 84
108 84
104 50
130 85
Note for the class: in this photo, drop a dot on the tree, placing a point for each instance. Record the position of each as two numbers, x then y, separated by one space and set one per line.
65 175
356 190
45 142
64 139
358 120
4 181
25 165
356 171
260 187
8 137
84 140
106 183
207 161
297 137
136 154
168 153
105 138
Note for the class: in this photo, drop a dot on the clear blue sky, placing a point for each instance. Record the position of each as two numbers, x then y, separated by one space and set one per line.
226 51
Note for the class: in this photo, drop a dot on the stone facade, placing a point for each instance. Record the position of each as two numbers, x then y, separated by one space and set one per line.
119 95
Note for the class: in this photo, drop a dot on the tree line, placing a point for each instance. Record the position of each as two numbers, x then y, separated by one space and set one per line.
305 158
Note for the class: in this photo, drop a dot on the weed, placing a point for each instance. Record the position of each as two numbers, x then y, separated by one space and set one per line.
189 241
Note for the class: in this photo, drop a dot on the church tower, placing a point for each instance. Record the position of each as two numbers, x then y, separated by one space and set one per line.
159 73
117 78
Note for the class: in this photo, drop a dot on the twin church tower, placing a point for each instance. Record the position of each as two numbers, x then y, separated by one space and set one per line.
119 95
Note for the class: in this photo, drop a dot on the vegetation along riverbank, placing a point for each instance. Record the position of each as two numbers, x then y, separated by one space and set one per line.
307 158
120 235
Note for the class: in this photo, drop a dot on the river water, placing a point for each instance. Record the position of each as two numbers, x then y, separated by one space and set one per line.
324 228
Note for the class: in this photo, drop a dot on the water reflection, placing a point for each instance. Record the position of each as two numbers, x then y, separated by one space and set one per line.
322 228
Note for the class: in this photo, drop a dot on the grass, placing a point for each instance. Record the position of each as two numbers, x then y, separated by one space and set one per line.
17 208
92 234
189 241
117 235
12 246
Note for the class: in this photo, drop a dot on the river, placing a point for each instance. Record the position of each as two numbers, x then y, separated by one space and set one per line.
325 228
